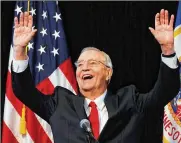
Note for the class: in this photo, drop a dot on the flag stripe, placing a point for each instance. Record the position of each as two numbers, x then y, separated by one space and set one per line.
31 119
7 136
46 127
10 95
62 82
68 72
45 86
13 125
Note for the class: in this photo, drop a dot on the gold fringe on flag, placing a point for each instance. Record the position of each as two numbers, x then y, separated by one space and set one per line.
23 119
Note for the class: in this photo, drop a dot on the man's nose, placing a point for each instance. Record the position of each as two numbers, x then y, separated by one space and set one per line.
85 66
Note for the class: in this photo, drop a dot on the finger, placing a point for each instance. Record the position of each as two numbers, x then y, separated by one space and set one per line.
21 19
26 18
16 22
171 21
162 16
152 31
30 21
17 30
166 17
33 32
157 20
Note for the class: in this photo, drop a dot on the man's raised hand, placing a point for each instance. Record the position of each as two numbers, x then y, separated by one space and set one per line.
163 31
23 33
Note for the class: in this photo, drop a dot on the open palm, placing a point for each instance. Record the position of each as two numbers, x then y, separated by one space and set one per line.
164 34
163 31
23 32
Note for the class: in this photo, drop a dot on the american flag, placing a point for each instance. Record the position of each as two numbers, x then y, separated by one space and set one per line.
50 66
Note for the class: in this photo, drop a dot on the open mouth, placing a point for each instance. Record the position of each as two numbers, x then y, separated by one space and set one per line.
87 77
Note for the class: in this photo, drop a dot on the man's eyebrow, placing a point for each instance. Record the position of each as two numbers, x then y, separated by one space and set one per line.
80 60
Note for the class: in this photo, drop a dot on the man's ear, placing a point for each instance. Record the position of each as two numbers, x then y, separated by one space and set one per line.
109 74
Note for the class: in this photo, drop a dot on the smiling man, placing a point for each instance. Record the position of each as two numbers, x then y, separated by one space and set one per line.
94 71
113 118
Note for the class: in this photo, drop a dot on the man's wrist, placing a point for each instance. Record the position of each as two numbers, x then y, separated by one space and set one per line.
167 49
20 53
20 56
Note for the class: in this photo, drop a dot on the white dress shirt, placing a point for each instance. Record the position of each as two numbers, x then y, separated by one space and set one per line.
101 107
21 65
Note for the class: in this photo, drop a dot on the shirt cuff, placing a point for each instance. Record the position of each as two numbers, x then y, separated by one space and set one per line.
170 61
20 65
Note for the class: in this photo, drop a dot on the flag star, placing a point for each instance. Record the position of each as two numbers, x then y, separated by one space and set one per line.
56 34
42 50
18 9
32 11
55 51
30 45
44 14
57 17
43 32
40 67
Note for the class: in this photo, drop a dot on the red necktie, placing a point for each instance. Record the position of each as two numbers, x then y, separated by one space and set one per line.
94 119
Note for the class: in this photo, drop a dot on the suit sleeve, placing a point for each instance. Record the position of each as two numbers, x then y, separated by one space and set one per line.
165 89
25 90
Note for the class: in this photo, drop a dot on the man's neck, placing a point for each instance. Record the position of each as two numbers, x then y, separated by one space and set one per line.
92 95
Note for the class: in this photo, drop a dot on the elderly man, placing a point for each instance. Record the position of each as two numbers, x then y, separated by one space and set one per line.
113 118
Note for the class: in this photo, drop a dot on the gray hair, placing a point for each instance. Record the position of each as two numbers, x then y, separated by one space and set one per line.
108 61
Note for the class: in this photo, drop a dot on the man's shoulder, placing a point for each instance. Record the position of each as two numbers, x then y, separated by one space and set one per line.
127 90
60 89
125 97
127 94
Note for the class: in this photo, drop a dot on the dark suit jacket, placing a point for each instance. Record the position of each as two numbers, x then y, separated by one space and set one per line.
126 110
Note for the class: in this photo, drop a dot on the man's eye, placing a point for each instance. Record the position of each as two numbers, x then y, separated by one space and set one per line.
93 62
80 64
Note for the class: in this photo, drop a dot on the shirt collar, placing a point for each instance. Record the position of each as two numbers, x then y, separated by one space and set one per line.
99 101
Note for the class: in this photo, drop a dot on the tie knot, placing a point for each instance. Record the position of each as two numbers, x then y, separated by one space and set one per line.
92 104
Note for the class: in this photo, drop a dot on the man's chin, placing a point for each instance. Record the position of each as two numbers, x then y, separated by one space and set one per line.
86 89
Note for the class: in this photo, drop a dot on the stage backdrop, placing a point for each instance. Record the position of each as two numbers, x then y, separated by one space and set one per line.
118 28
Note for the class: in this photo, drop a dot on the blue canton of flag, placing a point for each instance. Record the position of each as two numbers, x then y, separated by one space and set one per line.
45 49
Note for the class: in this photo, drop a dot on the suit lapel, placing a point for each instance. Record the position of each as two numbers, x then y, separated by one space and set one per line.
111 103
79 107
